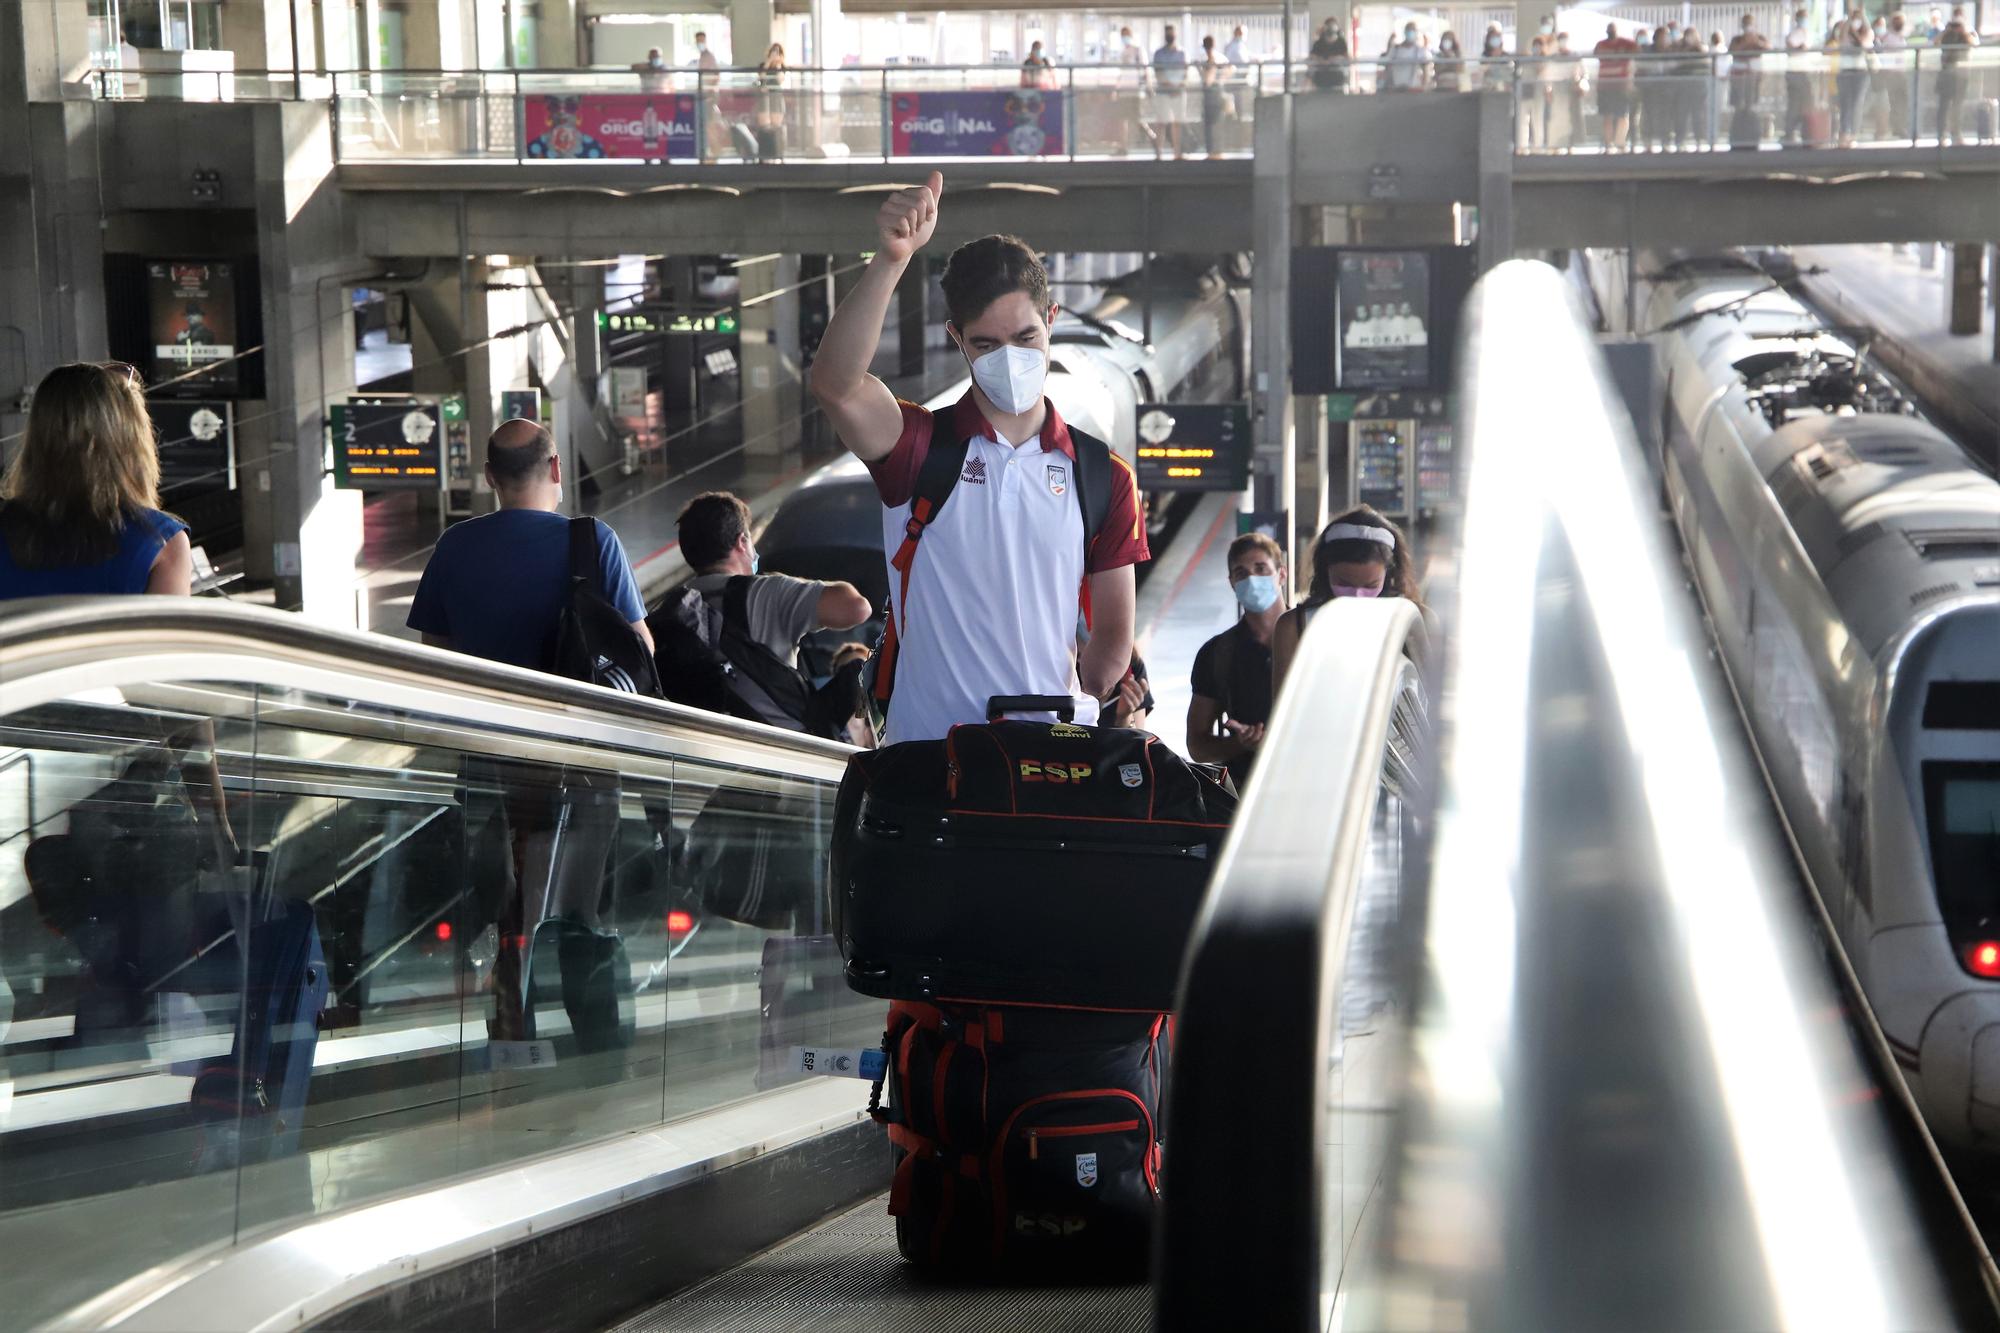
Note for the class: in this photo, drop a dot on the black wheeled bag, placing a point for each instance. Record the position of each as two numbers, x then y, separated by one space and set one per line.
1026 1139
1024 863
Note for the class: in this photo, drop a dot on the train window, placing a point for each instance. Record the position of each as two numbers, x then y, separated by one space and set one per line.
1962 705
1963 805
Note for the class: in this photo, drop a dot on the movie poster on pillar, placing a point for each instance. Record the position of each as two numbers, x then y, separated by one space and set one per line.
1023 122
1385 317
641 125
193 309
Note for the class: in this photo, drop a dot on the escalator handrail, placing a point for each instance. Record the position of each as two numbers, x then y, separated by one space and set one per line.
51 647
1256 1015
1618 965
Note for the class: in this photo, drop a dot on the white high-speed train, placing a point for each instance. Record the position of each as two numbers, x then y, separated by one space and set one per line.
1849 558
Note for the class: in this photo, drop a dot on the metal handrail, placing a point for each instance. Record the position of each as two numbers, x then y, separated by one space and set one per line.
1627 1097
52 648
1629 1100
1241 1239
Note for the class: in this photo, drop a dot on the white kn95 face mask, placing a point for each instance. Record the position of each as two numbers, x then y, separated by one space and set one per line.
1011 377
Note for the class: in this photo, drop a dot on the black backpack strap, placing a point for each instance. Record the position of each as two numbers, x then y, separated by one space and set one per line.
583 553
1095 477
736 603
935 482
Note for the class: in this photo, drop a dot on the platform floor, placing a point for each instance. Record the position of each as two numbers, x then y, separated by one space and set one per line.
844 1276
1888 288
1185 601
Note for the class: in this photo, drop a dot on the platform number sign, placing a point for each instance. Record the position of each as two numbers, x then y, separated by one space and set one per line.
388 443
1194 446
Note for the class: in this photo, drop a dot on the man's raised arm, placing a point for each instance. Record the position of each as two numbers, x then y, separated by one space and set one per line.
861 407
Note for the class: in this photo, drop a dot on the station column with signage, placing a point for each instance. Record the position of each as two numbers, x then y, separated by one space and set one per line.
389 442
1375 330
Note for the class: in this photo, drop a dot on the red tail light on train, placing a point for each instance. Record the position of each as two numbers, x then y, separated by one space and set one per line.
1983 959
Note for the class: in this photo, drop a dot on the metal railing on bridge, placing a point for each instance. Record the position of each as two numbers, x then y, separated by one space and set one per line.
1679 101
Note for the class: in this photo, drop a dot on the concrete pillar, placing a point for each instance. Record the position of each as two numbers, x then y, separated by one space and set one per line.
750 25
559 34
334 36
1993 291
437 34
1496 178
260 32
299 533
1965 293
51 258
913 318
768 333
1275 472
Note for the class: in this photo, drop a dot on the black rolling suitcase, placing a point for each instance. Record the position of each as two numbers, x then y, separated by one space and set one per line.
1746 131
1024 892
1024 863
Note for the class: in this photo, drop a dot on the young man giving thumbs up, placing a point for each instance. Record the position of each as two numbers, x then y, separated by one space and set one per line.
1000 523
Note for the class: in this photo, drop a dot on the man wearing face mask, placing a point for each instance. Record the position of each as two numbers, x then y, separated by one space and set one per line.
1406 62
652 72
985 583
1232 672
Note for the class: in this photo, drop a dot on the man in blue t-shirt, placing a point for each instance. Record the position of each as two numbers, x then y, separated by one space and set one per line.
496 585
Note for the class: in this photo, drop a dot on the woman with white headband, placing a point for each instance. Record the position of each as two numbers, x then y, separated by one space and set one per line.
1360 554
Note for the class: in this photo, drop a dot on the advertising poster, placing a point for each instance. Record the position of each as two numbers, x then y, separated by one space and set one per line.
1385 315
641 125
1002 122
192 307
1194 446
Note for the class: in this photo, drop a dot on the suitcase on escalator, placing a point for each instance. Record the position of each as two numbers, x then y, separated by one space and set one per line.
251 1106
1818 126
1026 1139
1985 120
1024 863
1746 130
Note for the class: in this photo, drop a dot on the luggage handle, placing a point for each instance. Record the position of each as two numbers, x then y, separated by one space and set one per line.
1062 705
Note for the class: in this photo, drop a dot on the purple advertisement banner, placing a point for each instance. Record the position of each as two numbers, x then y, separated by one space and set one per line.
1001 122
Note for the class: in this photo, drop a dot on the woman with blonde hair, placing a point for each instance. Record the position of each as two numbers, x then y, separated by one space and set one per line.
80 507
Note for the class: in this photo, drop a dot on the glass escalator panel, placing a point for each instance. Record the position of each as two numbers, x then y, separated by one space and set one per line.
266 952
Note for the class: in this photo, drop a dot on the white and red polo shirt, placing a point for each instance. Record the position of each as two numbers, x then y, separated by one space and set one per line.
994 590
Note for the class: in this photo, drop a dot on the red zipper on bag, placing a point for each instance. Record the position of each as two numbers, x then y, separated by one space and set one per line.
1076 1131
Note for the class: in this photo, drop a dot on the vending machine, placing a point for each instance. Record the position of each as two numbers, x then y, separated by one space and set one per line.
1399 451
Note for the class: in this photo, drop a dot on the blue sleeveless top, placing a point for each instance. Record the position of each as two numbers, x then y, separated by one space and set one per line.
125 572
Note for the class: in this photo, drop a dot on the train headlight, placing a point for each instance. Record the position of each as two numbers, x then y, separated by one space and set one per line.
1982 958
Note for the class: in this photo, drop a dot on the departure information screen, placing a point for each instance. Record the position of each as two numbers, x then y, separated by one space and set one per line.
387 443
1194 446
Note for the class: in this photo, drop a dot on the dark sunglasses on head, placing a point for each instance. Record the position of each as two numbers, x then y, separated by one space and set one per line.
130 372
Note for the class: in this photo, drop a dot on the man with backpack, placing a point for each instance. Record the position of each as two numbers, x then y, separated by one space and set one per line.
1000 524
999 521
498 586
528 587
730 643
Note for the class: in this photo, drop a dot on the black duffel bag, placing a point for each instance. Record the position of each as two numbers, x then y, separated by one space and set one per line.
1024 863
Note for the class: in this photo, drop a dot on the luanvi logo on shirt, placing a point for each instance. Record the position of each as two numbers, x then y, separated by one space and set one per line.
975 471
